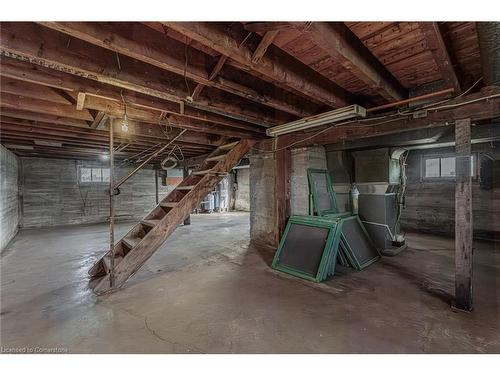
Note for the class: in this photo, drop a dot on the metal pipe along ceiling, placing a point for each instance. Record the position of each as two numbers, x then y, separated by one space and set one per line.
489 44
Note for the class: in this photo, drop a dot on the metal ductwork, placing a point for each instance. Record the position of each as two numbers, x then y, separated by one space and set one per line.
489 45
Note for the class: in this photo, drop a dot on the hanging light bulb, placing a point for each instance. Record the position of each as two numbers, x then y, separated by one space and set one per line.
125 124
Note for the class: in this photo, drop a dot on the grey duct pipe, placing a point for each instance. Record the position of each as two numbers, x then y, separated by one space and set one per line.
489 45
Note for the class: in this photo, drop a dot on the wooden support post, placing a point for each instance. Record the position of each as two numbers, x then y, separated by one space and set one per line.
156 186
283 161
111 205
463 217
185 174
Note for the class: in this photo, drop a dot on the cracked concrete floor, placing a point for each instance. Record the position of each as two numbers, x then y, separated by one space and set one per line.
207 291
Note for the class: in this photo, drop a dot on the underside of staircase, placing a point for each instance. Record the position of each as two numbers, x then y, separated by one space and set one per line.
140 243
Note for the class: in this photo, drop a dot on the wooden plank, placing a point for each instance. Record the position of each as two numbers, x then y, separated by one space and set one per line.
45 107
44 76
29 90
117 109
140 42
286 73
463 217
24 41
440 54
343 45
264 44
215 71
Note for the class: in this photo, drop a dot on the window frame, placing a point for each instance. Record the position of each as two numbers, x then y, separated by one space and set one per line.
91 182
424 158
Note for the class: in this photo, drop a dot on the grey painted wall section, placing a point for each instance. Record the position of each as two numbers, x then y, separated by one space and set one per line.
52 194
303 159
263 213
9 196
430 205
242 191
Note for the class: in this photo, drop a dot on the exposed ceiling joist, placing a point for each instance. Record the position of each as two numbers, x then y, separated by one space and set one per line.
343 46
285 72
264 44
144 44
43 106
440 54
29 90
44 76
42 46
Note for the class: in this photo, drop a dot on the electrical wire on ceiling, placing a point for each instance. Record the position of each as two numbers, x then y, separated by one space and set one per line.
365 122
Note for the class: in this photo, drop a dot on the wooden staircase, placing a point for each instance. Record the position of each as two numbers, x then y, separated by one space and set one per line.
133 250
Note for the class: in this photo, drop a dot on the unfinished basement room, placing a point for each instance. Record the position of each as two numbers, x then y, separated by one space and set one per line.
250 187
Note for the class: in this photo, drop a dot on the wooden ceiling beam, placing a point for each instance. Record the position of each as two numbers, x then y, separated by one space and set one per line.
140 131
42 106
117 109
45 47
471 108
264 44
264 27
215 71
29 90
344 47
144 44
32 116
27 72
283 71
440 54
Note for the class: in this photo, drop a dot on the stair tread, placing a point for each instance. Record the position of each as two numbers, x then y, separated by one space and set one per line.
205 171
150 222
228 145
168 204
159 233
131 241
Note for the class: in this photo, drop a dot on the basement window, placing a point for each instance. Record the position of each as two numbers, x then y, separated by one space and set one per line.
94 175
443 167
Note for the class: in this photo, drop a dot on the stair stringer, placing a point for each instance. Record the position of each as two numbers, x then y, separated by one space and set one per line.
136 257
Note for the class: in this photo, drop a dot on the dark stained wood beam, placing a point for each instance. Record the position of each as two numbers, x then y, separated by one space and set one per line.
144 44
343 46
440 54
42 106
32 116
476 111
42 46
285 72
463 217
62 81
117 109
138 130
264 27
29 90
264 44
215 71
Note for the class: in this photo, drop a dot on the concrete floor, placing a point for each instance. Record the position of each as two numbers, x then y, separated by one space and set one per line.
207 291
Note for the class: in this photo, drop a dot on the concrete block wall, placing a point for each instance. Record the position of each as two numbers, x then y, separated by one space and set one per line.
263 219
9 196
52 195
242 191
303 159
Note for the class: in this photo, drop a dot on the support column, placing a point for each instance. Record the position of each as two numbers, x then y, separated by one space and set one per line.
283 162
111 204
185 174
463 217
156 186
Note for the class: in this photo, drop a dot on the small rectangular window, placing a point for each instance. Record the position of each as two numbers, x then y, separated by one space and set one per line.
432 167
444 167
94 175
